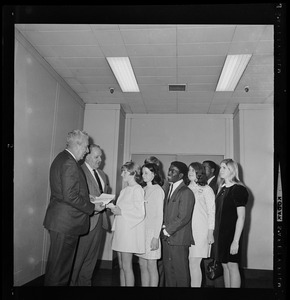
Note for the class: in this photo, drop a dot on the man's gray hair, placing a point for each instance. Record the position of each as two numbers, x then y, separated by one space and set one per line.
76 137
92 146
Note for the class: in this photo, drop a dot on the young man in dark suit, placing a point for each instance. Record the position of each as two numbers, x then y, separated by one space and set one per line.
177 232
91 243
67 215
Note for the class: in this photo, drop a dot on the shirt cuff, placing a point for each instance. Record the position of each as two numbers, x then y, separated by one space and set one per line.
165 232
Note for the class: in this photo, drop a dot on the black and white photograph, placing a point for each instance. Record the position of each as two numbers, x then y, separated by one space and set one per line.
145 148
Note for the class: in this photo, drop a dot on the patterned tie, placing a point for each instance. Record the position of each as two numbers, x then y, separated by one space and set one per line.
99 181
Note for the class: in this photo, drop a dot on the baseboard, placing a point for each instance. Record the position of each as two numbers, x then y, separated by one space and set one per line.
257 274
105 264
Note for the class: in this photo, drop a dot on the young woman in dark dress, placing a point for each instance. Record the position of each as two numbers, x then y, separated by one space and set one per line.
229 221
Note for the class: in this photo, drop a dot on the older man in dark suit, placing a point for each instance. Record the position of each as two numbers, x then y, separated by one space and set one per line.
91 243
177 232
67 215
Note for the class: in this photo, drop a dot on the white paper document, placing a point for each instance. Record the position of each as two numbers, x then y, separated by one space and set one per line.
105 198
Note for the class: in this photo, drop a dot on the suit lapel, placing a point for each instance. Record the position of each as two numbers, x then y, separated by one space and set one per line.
91 177
176 191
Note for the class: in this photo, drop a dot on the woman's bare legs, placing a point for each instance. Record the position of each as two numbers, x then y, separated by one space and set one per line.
144 271
195 271
126 269
232 277
153 272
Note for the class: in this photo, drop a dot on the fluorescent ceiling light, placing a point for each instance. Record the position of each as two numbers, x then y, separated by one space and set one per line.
233 69
124 74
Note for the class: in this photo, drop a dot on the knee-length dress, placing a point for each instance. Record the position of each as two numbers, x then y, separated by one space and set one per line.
129 227
227 201
154 198
203 219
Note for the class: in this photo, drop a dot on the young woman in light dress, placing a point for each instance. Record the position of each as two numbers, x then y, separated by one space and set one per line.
129 225
203 221
154 197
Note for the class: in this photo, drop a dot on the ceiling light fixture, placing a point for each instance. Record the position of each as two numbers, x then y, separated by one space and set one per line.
124 74
232 72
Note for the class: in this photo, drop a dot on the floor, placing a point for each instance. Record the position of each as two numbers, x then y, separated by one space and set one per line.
110 277
107 281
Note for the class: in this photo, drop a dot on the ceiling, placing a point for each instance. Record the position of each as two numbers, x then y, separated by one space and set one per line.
160 55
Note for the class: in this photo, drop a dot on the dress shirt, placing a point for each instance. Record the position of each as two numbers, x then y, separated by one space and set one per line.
175 186
209 180
92 172
71 154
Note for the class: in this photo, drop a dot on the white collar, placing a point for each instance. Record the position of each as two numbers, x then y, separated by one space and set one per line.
175 185
71 154
209 180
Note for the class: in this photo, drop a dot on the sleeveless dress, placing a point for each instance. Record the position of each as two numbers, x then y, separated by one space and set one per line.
227 201
154 197
129 227
203 219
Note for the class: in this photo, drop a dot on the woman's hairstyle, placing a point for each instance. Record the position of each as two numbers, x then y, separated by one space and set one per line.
200 173
76 137
133 169
234 172
152 160
155 170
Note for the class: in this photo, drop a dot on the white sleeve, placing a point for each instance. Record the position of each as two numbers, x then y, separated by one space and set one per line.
158 219
136 212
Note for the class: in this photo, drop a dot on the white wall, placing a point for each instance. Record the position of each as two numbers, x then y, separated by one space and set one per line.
256 150
45 111
179 134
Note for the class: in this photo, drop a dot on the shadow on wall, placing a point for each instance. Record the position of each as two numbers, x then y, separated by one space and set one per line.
247 225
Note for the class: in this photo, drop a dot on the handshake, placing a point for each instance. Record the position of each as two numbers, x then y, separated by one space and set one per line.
103 201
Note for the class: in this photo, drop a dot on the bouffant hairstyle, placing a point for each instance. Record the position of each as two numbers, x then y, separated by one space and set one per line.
155 170
200 173
133 169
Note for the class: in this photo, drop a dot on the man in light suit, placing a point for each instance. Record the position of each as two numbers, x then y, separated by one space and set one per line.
67 215
177 232
91 243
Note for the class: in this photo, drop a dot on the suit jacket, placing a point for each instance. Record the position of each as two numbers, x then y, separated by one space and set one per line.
177 216
95 190
69 207
213 184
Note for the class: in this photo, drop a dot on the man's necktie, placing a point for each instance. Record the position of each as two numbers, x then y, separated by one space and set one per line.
170 190
99 181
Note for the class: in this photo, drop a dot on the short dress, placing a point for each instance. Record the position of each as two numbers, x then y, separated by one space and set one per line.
227 201
129 227
203 219
154 199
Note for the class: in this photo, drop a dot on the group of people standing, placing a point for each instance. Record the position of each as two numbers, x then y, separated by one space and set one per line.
173 225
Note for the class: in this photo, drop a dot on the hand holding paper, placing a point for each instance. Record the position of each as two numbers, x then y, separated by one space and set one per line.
103 198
